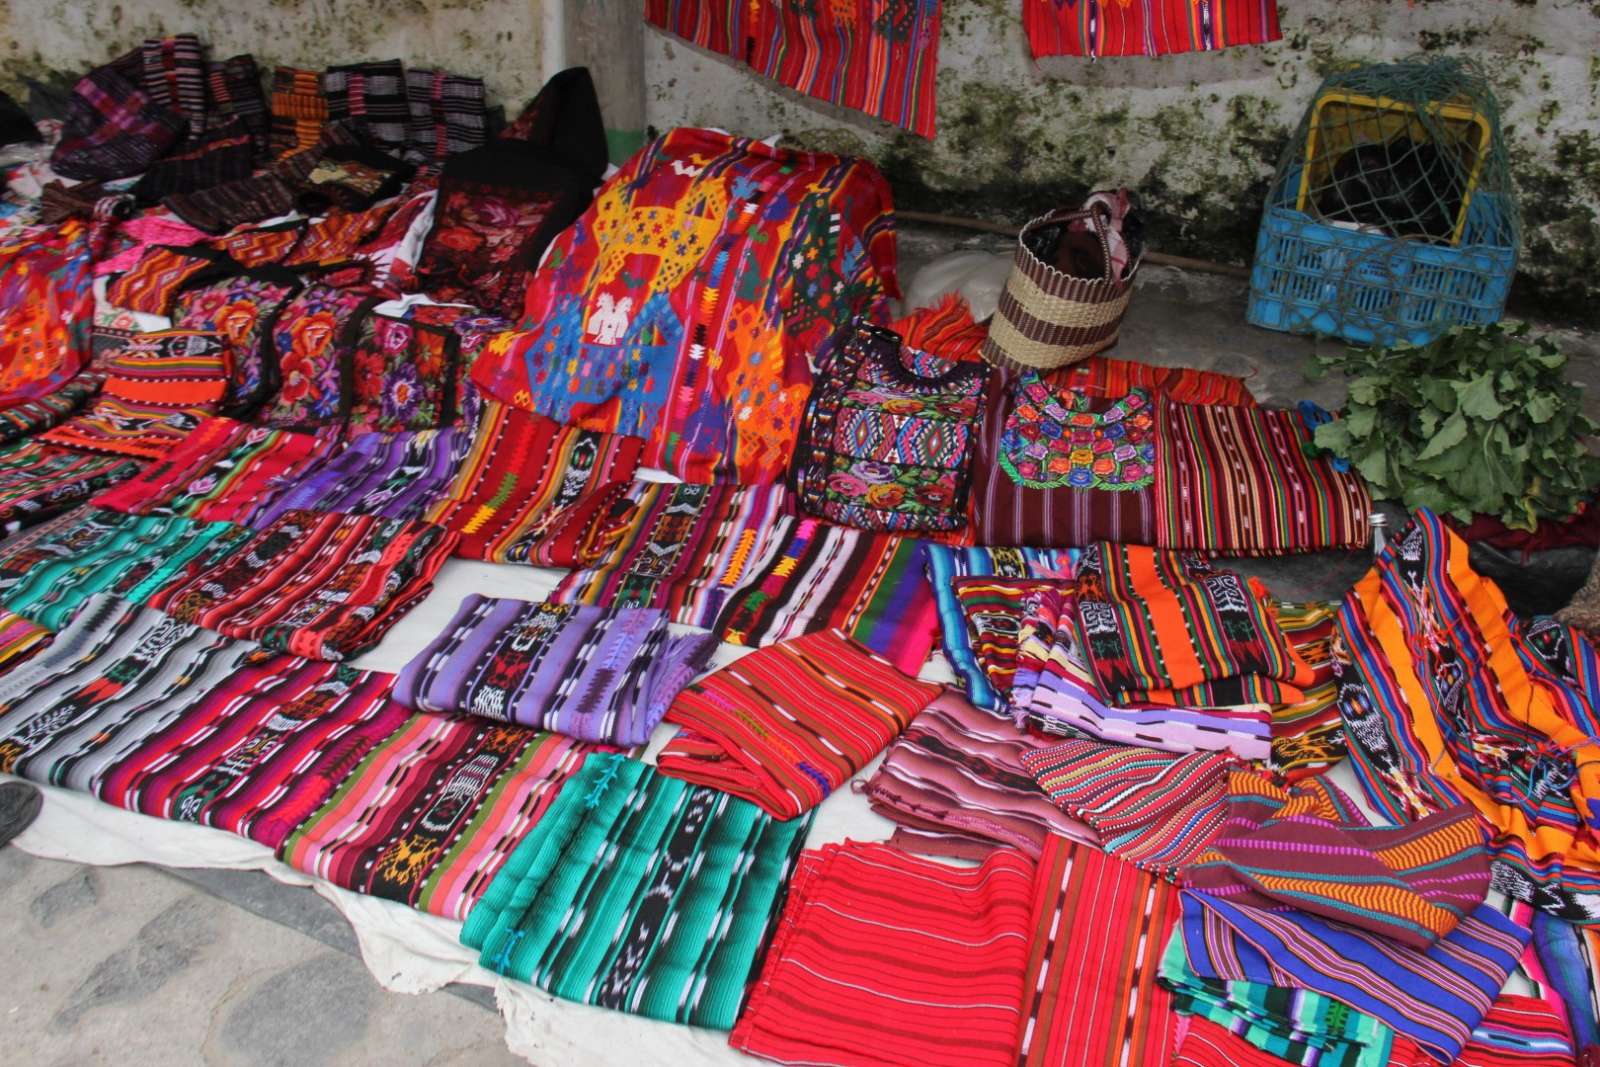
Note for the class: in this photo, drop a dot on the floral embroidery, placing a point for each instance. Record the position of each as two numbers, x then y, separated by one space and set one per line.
237 308
1052 440
480 248
404 375
312 340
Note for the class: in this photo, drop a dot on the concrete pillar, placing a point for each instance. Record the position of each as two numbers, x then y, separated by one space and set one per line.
607 36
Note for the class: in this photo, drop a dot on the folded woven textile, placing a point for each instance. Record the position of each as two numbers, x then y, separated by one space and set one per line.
1446 699
235 88
1308 735
20 639
1154 809
112 129
639 893
872 586
447 114
38 480
678 546
883 957
1167 628
175 76
945 564
434 811
33 416
789 723
1517 1032
222 472
597 674
299 110
955 784
1281 852
166 718
522 470
1433 997
397 476
1093 937
1054 691
313 584
153 283
222 152
102 551
402 375
373 97
157 390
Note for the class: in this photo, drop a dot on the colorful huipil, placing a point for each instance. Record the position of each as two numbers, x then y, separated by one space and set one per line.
169 719
434 811
597 674
639 893
887 436
684 305
1448 699
1097 28
46 309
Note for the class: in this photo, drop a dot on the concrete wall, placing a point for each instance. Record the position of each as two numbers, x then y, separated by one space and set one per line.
498 40
1198 135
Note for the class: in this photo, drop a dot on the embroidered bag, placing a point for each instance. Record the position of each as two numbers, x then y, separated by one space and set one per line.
243 309
403 375
886 441
312 338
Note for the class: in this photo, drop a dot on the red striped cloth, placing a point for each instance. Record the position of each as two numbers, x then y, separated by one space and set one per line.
1095 940
788 724
1208 1044
881 957
1096 28
1518 1031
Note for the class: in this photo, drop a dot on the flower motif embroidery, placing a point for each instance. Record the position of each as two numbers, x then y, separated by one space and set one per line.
1051 440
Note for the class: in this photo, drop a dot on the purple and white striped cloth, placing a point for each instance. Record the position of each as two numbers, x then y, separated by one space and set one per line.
393 475
597 674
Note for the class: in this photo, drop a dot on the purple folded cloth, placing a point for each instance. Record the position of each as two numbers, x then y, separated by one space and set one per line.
598 674
393 475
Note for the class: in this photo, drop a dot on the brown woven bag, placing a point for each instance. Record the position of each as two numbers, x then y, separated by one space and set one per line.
1048 318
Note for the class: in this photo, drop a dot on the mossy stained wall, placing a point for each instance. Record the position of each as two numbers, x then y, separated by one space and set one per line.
1197 134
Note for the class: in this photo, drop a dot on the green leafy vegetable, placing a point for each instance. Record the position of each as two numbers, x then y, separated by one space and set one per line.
1481 421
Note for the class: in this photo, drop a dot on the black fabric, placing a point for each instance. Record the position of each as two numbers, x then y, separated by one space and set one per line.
564 121
353 177
15 125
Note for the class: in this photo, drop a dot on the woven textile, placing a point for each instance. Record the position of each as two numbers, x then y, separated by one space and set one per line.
945 329
434 811
46 310
1254 1024
335 238
220 208
1308 735
39 480
1280 851
886 440
1434 997
153 284
175 77
523 469
872 586
700 345
403 375
235 88
639 893
1565 954
682 547
1447 700
223 152
112 129
156 391
446 114
881 957
299 111
313 336
1243 479
29 417
994 609
597 674
1055 692
316 585
879 56
351 175
373 97
955 784
20 639
790 723
1149 28
244 309
1517 1032
945 564
1167 628
397 476
1155 810
165 718
1091 996
97 551
221 472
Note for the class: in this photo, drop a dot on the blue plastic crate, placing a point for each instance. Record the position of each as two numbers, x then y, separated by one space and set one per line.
1309 277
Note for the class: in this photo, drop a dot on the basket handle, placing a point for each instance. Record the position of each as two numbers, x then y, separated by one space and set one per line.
1058 216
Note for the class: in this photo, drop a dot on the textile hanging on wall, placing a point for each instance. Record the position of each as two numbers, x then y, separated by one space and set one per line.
876 56
1095 28
685 304
639 893
434 811
882 957
1446 699
597 674
166 718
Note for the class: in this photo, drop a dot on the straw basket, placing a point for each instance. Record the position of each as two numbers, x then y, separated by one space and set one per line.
1048 318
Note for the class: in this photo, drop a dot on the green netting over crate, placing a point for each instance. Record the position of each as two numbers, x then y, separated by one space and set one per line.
1391 215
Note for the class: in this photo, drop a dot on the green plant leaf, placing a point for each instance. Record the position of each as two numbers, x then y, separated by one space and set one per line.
1541 407
1439 394
1452 433
1477 397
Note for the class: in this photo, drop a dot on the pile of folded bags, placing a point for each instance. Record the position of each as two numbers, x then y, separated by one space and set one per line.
271 360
